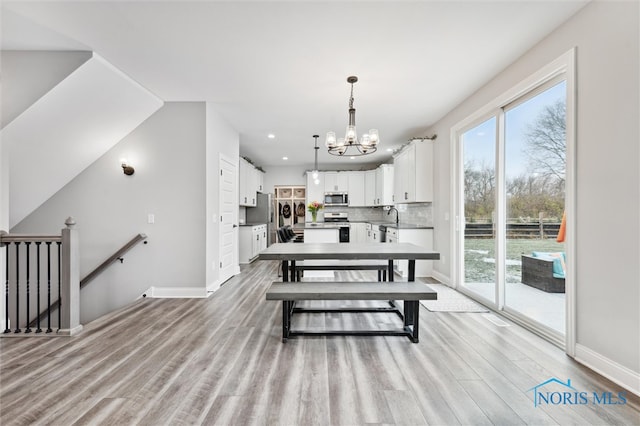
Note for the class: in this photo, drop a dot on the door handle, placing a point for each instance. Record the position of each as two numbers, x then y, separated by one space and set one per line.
235 226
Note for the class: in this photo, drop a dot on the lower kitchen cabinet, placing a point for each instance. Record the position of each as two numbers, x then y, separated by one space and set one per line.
420 237
252 239
358 232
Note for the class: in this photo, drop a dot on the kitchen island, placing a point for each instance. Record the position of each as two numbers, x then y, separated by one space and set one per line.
320 232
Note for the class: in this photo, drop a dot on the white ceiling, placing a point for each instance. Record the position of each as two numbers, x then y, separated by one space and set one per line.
281 67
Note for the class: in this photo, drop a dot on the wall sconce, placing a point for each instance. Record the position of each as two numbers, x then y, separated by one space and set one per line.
127 168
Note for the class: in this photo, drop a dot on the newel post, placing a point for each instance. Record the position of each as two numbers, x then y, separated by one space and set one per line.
70 280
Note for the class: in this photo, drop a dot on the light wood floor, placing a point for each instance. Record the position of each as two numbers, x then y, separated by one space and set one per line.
221 361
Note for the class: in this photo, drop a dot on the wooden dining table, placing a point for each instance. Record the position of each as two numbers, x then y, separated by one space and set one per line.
290 253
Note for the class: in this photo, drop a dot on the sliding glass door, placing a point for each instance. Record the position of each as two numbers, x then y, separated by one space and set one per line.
511 171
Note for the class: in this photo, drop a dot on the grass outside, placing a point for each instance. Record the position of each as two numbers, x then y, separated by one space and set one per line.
479 257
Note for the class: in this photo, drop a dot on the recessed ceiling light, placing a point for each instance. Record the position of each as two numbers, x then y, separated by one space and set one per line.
285 158
352 158
271 136
389 149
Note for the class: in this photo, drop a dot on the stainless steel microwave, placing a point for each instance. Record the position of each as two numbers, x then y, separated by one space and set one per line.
336 199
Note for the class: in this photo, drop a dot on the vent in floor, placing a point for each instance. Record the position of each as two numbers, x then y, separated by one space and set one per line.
496 320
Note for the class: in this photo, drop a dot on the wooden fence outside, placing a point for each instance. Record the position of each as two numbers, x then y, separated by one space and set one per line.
514 230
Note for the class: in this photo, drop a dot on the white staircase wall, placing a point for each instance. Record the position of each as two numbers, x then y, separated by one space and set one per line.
67 129
27 75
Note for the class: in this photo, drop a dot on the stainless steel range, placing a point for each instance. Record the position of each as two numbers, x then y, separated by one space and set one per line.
339 218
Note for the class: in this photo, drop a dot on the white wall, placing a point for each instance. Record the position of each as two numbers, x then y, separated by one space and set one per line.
284 175
608 206
221 139
168 153
28 75
4 214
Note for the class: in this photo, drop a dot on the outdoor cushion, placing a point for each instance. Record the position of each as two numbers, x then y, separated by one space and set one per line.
558 258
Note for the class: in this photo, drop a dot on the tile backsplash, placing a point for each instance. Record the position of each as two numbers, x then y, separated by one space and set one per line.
415 214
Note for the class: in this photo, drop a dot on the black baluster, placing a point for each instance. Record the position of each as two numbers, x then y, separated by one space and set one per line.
59 291
28 329
38 329
48 243
17 330
6 294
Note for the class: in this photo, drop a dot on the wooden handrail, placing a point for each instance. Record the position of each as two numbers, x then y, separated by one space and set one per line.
118 254
91 275
13 238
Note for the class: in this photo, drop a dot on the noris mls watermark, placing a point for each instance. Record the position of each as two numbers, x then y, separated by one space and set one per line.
557 392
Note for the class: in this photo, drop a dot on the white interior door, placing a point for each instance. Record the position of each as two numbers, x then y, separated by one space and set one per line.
228 231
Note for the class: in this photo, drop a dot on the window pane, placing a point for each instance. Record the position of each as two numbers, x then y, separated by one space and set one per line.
535 147
479 148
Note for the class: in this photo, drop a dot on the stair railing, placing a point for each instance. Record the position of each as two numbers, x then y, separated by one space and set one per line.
61 276
99 269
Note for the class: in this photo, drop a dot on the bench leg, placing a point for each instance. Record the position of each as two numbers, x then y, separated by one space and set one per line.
286 319
411 319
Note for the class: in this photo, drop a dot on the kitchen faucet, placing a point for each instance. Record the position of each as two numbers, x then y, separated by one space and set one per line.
397 213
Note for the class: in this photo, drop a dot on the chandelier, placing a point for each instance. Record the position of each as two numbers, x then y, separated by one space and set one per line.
366 145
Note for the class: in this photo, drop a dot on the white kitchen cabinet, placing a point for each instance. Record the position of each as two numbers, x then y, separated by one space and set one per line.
370 188
248 183
414 174
375 232
259 181
420 237
384 185
356 189
358 232
252 239
336 182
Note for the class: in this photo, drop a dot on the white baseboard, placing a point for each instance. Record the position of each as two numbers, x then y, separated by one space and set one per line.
69 331
177 292
441 277
613 371
213 286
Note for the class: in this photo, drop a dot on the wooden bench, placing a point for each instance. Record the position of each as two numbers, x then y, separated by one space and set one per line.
409 292
382 266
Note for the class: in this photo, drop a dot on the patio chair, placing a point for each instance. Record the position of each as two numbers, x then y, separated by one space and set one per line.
538 272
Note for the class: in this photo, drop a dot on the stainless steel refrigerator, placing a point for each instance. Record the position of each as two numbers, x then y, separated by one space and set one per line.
263 213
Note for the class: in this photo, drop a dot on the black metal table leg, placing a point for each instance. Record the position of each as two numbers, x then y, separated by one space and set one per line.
412 270
390 269
416 320
285 270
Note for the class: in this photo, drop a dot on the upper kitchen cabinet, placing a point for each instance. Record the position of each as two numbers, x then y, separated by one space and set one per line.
259 180
370 188
414 174
356 189
384 185
251 181
336 182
